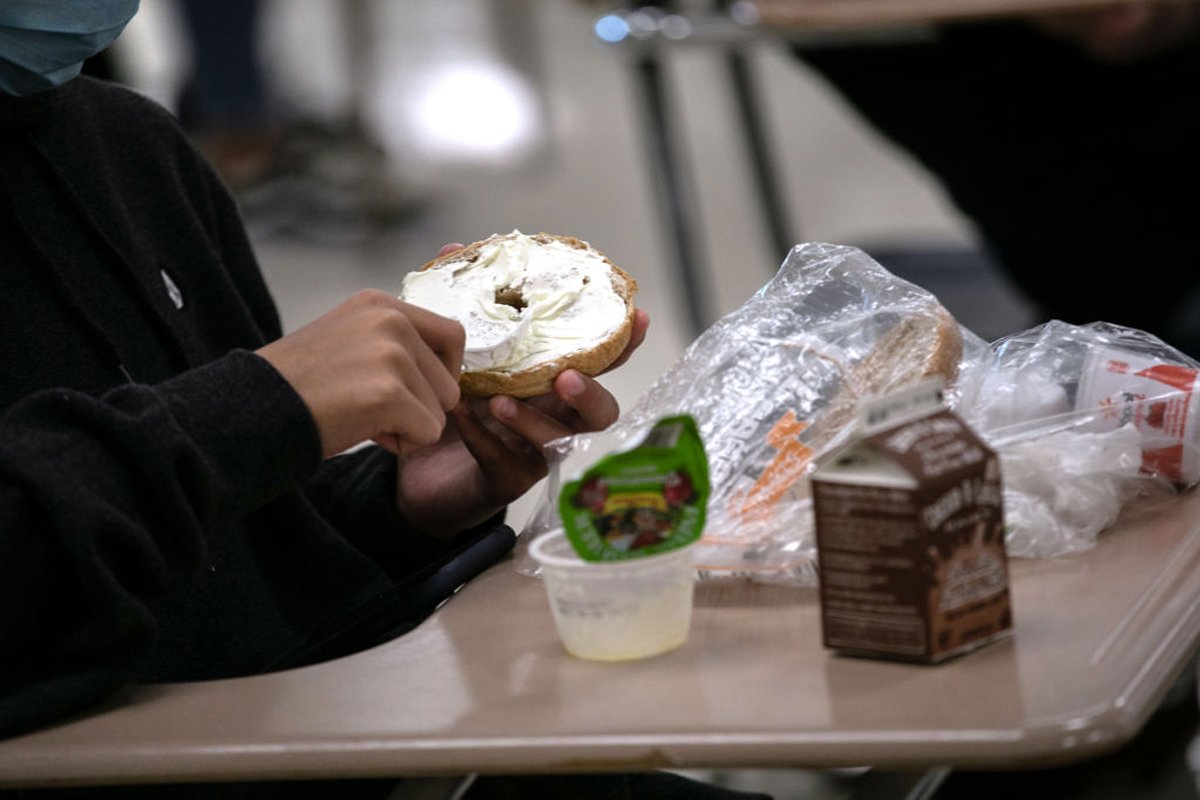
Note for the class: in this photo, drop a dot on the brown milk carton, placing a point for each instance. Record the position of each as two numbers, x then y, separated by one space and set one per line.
910 534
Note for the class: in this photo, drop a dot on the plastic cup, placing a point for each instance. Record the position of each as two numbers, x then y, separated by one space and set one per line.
616 610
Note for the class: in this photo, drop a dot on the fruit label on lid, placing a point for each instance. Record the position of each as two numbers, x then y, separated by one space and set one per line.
645 500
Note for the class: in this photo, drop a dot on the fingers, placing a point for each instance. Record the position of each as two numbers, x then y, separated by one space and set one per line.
437 376
595 405
530 424
373 367
507 472
641 322
443 336
422 379
417 404
420 351
449 248
390 442
435 342
582 405
506 437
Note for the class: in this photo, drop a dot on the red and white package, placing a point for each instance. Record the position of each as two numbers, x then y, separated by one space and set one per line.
1119 387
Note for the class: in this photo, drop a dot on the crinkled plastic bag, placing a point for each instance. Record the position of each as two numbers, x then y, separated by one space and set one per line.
774 386
1061 490
1085 419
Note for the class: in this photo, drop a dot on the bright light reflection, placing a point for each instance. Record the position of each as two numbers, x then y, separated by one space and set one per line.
480 110
611 28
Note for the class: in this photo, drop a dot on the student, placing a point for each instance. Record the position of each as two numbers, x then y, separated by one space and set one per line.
175 498
174 506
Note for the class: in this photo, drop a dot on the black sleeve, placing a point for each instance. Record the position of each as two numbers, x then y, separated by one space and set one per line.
237 253
356 493
109 501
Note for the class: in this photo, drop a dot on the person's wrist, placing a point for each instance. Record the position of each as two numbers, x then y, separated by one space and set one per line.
446 518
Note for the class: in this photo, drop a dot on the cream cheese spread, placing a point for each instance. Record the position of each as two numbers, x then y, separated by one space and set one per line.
522 302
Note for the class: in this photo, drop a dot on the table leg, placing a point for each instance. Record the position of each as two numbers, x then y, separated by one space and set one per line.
745 91
440 788
675 205
899 785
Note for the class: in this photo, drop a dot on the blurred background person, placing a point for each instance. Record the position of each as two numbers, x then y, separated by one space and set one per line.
1069 140
294 172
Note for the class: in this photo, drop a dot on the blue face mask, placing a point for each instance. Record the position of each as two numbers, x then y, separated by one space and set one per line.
43 43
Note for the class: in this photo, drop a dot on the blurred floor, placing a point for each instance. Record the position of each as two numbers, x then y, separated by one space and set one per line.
513 115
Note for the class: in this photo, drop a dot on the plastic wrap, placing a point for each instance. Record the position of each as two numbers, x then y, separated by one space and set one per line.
1085 419
773 386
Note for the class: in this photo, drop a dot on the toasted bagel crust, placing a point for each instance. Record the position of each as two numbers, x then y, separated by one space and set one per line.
539 378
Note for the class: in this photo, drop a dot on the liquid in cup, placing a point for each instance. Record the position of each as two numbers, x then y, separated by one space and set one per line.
617 610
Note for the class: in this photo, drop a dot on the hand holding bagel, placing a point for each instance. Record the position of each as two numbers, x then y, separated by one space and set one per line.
377 367
491 452
373 368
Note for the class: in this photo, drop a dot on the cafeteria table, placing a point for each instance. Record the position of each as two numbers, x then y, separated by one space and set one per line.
484 686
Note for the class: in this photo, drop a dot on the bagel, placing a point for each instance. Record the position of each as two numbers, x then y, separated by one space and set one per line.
532 306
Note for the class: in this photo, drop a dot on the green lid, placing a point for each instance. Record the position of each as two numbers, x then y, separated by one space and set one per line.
646 500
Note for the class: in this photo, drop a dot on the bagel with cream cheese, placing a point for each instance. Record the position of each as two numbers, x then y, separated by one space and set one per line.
532 306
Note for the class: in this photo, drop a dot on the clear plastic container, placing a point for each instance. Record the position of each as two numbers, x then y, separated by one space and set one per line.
617 610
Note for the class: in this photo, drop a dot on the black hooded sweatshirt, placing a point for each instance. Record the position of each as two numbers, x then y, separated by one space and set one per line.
164 510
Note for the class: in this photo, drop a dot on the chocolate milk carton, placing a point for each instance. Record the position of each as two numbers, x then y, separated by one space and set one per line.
910 534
